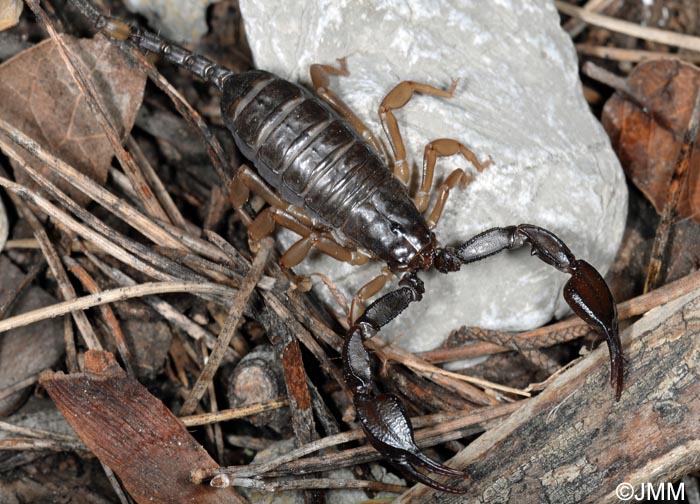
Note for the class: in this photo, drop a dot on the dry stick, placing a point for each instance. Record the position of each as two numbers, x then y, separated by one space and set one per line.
574 27
256 470
21 243
87 233
143 224
174 268
116 486
632 55
72 364
110 296
419 365
195 243
213 409
574 327
36 433
13 293
31 444
16 387
68 293
140 250
227 332
204 267
678 183
231 414
156 184
92 98
107 313
166 310
59 274
310 484
632 29
608 78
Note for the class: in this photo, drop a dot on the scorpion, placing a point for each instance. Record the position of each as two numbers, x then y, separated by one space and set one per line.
321 171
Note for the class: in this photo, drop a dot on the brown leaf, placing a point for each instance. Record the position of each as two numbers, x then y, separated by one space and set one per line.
648 140
42 100
133 433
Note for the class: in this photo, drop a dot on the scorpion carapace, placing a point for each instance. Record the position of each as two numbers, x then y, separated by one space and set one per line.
319 169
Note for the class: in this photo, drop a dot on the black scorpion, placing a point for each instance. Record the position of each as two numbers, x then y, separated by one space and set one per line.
324 168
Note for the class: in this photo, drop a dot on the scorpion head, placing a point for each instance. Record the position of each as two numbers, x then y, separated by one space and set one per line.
392 229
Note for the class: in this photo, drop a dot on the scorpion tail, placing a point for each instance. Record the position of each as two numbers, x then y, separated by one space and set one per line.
202 67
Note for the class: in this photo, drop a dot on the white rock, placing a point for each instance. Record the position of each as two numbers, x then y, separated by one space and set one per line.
518 102
179 20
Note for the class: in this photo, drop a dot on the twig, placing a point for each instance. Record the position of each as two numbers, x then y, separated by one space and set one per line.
410 360
227 332
574 27
231 414
37 433
116 486
307 484
59 274
16 387
107 313
282 464
632 55
156 184
12 293
32 444
116 206
677 184
166 310
632 29
110 296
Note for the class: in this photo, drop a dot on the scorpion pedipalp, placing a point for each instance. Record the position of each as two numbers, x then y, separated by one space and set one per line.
382 416
586 292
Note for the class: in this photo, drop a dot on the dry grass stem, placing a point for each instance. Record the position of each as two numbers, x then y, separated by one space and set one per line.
111 296
666 37
236 311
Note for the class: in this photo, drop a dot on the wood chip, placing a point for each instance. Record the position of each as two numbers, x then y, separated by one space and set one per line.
133 433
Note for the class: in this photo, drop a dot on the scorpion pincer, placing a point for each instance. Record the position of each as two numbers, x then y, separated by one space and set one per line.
319 168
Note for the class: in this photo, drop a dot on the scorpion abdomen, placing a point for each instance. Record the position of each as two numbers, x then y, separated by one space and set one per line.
317 161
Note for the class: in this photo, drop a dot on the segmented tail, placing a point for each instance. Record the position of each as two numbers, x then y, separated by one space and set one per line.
202 67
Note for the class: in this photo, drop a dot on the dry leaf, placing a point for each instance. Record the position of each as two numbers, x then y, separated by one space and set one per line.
41 99
648 141
133 433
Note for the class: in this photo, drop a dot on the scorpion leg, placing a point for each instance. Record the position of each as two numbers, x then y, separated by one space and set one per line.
442 148
382 416
586 292
396 99
321 83
367 291
290 217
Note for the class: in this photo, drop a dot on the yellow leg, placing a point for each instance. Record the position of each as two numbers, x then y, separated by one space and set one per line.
321 83
440 148
396 99
367 291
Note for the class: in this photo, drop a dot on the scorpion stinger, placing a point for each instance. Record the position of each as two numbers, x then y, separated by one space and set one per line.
382 416
586 292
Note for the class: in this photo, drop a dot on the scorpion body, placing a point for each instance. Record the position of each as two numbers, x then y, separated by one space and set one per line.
315 159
